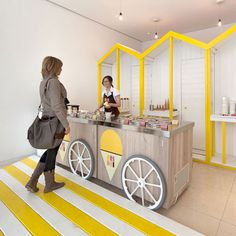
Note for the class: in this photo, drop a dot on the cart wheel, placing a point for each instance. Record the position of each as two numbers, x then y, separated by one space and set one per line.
142 179
81 159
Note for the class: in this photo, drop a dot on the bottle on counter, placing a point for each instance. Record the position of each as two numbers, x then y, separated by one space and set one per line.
122 104
128 104
225 106
232 107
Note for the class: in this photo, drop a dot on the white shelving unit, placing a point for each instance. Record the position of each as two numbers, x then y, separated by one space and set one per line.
220 118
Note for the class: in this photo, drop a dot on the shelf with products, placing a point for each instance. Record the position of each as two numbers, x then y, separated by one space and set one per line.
223 118
161 113
223 103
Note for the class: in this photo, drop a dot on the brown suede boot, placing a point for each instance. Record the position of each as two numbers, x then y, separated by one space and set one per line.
32 183
50 183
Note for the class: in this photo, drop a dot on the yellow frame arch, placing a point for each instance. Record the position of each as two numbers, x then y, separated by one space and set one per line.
209 126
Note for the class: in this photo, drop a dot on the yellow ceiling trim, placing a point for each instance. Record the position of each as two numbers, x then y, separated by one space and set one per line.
112 49
155 45
222 36
189 40
128 50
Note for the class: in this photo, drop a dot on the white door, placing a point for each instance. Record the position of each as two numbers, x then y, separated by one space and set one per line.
193 99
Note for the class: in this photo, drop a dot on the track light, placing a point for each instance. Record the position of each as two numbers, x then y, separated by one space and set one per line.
219 23
121 16
156 36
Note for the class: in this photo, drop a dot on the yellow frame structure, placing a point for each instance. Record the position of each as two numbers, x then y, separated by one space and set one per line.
170 36
116 48
209 126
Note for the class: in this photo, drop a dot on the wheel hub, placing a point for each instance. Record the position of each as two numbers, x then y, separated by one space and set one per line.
141 182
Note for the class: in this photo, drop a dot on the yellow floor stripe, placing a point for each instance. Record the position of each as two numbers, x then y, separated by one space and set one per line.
78 217
127 216
34 223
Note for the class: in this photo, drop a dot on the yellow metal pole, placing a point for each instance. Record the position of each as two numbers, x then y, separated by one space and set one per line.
223 142
212 139
99 84
141 86
118 68
208 103
171 79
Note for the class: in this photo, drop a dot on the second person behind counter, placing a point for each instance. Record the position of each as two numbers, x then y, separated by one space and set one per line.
110 97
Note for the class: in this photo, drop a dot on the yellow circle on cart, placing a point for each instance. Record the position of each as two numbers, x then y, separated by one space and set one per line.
111 142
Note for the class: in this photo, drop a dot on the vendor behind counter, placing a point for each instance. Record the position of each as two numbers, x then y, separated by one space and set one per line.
110 97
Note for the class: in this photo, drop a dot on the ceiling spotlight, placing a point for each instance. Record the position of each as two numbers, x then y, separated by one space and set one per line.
156 36
219 23
120 16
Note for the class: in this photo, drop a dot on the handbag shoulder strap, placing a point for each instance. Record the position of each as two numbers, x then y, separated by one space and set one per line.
44 94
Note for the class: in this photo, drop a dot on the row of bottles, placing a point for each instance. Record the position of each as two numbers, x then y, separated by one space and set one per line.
162 107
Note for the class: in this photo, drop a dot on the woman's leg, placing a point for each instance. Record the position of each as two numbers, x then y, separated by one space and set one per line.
32 183
49 171
50 158
43 157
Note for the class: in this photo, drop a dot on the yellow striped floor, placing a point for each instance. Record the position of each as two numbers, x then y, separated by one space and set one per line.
80 208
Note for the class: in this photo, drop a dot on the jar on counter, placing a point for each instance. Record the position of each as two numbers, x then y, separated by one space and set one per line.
232 107
225 106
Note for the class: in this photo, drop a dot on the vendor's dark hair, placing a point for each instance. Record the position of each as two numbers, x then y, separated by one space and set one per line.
109 78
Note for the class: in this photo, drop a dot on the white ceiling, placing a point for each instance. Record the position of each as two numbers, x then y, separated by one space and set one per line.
178 15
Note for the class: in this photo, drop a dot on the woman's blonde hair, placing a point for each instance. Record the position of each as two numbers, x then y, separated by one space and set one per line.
51 67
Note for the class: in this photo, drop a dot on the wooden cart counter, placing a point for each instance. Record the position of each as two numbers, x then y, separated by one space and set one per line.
152 166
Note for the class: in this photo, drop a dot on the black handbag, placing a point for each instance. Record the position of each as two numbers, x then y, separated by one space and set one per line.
45 132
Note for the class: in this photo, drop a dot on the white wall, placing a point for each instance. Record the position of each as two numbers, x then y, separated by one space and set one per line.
31 30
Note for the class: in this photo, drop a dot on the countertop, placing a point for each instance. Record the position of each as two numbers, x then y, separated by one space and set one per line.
173 129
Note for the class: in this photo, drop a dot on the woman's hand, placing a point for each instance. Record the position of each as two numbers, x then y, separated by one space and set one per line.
109 105
67 130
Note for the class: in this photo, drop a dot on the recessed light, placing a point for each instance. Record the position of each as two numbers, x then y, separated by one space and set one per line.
156 19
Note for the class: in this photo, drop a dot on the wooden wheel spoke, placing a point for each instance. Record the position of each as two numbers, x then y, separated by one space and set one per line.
133 171
151 196
75 153
149 172
134 190
81 170
142 196
153 185
140 168
85 167
131 180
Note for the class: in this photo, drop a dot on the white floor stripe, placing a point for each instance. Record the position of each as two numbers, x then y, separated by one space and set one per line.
149 215
48 213
8 220
111 222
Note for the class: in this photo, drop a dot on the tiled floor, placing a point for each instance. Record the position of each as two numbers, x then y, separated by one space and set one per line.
209 204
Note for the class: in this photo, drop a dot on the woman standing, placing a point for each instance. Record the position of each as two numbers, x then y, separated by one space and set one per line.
53 105
110 96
